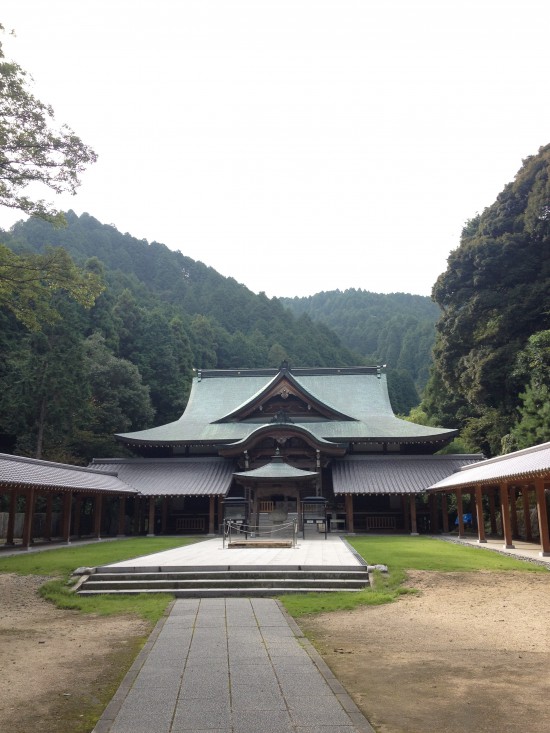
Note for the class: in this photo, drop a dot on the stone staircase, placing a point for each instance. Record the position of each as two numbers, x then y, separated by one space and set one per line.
223 582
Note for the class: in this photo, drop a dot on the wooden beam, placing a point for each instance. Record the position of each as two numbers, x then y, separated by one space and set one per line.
219 513
445 513
412 504
11 518
121 531
479 515
98 501
406 513
349 513
542 512
514 512
67 504
434 516
164 518
48 521
505 515
77 514
151 519
211 514
29 514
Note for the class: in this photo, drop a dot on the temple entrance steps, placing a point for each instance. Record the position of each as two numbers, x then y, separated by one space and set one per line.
224 582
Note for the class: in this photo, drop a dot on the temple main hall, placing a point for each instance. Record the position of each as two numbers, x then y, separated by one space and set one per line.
277 436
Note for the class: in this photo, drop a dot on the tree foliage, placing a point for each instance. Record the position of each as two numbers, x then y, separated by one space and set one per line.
27 283
160 316
494 296
397 329
32 151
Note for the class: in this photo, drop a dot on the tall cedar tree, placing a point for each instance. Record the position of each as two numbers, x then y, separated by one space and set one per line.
494 296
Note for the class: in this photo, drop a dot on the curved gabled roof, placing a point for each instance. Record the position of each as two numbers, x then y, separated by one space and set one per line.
358 394
276 469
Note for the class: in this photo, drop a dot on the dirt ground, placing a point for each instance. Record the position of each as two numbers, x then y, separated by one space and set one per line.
55 665
470 651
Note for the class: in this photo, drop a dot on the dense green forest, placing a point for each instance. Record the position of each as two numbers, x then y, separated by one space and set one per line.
126 363
397 329
491 374
71 375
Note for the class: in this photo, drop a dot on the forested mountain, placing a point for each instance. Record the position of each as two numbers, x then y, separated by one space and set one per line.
492 352
396 329
127 362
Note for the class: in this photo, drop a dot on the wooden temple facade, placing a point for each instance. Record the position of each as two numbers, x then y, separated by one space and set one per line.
272 436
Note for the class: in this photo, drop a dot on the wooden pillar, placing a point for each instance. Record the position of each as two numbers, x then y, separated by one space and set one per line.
77 515
514 512
526 513
479 514
164 517
412 504
121 516
29 514
349 513
98 501
492 511
434 523
135 527
151 520
11 518
460 514
505 514
66 529
48 522
211 514
406 513
542 512
445 513
220 513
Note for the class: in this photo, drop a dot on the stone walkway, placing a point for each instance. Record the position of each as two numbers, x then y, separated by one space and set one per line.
313 552
236 665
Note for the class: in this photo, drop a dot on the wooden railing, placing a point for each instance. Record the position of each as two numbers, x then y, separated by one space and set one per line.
380 521
190 524
266 506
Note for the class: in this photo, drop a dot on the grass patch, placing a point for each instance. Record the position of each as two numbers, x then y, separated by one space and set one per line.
61 563
149 606
401 553
387 588
64 560
426 553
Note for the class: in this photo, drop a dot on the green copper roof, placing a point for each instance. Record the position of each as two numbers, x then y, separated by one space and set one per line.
360 393
276 469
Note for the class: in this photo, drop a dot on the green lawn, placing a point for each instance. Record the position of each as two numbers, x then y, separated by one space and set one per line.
400 554
60 564
425 553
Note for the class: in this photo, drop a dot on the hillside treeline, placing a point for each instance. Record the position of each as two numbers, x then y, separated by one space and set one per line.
396 329
491 372
126 363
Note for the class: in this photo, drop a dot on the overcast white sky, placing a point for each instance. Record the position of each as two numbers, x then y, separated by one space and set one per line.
295 145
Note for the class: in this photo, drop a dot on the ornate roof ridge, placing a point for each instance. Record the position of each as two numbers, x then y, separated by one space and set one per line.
296 371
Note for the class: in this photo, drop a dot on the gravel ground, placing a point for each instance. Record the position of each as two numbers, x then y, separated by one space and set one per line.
470 651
